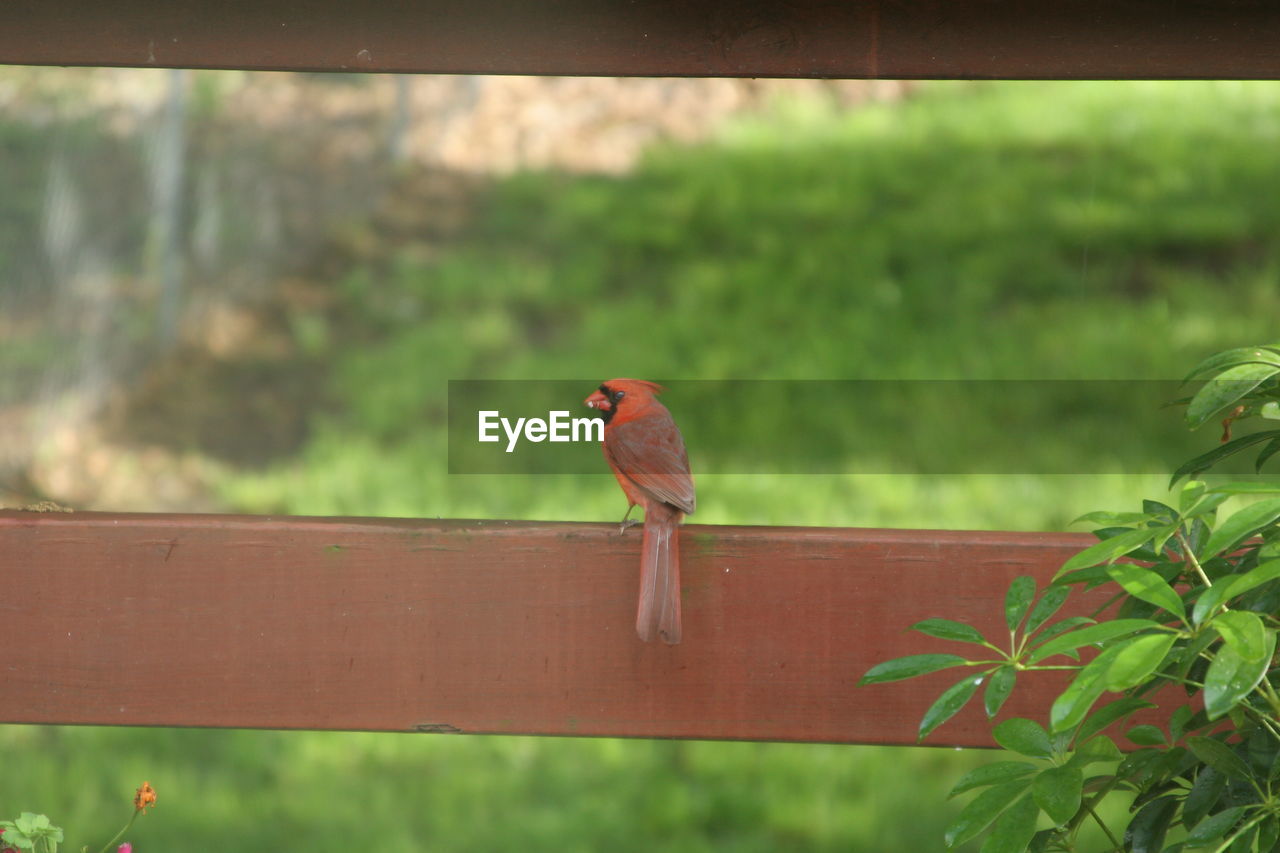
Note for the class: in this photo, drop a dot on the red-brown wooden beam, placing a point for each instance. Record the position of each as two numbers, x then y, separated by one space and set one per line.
489 626
755 38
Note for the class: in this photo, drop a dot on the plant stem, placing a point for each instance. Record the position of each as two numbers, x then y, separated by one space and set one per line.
106 847
1190 557
1228 842
1073 825
1114 843
1268 692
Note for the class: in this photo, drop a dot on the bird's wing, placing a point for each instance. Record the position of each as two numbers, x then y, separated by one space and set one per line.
650 453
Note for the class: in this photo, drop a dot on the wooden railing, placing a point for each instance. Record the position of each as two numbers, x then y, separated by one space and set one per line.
489 626
1070 39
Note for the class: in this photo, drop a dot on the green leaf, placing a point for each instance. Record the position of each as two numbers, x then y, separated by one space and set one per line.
1147 829
1138 660
1216 826
1268 833
978 814
1110 713
1062 626
952 700
1148 586
1013 829
1272 448
1264 573
996 773
1205 461
1242 839
1205 793
1139 765
1244 523
1110 550
1206 505
1231 678
1087 578
1225 389
16 838
1100 748
1178 722
1057 792
909 667
1244 630
1191 492
947 629
1231 586
1210 599
1112 519
1219 756
1017 600
1025 737
998 690
1052 599
1233 357
1146 735
1070 708
1099 633
1159 511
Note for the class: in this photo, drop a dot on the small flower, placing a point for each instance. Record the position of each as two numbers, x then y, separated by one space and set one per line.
125 848
145 797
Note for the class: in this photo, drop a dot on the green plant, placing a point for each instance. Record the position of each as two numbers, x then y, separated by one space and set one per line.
30 832
1194 607
35 832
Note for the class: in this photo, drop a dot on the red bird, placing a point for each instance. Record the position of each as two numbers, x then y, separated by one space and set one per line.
644 448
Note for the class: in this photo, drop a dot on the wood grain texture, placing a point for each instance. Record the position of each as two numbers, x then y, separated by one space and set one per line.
751 38
489 626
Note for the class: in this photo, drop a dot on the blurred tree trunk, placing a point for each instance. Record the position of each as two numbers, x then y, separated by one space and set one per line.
165 231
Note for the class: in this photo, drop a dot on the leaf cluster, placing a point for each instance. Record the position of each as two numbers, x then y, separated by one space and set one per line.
32 832
1245 383
1192 615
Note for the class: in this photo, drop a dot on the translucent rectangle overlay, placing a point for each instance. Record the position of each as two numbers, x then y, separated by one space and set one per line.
851 427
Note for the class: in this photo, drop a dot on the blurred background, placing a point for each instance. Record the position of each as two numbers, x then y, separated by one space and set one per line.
247 292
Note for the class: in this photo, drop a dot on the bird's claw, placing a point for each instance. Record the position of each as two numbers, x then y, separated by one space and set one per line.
626 522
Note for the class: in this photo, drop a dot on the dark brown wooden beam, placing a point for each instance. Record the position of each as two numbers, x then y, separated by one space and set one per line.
489 626
724 38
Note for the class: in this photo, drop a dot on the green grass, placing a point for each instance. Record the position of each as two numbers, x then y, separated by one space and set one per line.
976 231
407 793
1033 231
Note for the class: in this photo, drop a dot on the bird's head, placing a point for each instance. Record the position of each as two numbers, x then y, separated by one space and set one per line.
621 393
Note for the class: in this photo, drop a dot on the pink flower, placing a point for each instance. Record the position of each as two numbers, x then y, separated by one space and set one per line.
125 848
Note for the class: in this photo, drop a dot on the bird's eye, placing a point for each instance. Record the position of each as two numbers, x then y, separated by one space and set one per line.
618 395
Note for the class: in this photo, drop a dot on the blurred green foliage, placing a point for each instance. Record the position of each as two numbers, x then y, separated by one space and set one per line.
1041 231
1019 230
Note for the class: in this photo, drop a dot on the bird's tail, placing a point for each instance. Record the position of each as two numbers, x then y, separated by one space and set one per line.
659 609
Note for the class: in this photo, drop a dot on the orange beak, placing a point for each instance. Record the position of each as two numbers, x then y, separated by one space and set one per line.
598 401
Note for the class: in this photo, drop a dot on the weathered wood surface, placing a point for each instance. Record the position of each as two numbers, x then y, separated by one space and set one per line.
802 38
489 626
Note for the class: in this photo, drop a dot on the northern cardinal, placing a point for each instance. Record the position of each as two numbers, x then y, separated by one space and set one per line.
646 452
